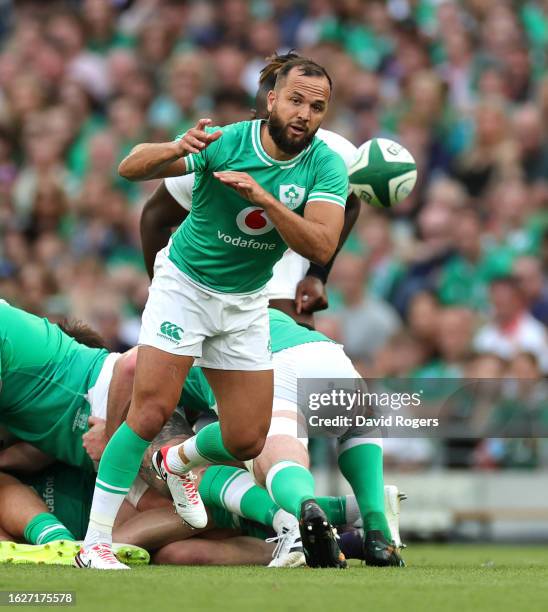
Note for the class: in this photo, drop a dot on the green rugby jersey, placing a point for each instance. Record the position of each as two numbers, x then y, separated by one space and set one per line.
44 378
286 333
229 245
197 394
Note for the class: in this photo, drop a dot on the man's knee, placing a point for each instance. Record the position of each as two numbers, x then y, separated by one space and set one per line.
147 415
278 448
246 446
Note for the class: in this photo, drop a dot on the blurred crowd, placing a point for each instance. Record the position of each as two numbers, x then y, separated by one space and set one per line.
452 282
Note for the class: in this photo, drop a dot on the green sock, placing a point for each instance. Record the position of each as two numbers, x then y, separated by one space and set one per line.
44 528
340 510
289 484
334 508
121 460
361 465
207 447
117 471
235 490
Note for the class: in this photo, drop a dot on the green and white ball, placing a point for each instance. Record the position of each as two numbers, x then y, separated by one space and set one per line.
383 174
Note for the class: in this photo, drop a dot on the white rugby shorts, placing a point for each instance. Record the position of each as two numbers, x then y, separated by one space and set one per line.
312 360
325 360
220 330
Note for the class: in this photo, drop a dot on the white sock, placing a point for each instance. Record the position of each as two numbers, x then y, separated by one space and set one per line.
174 462
192 454
235 489
103 511
352 510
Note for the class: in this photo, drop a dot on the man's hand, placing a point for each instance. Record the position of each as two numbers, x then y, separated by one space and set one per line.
310 295
95 439
152 160
196 139
246 186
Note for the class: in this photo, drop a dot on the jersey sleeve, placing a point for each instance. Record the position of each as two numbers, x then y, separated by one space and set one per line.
340 145
199 162
180 188
331 184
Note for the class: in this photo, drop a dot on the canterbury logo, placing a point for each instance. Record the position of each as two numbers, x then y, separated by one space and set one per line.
170 330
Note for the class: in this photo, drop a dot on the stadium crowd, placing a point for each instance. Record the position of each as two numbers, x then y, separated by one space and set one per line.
452 282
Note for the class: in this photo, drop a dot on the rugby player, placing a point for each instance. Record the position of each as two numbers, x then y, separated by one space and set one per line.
50 384
207 299
297 286
50 387
230 493
287 292
49 509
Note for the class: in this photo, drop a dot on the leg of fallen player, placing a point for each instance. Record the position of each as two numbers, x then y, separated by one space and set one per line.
239 550
158 382
155 528
25 515
283 468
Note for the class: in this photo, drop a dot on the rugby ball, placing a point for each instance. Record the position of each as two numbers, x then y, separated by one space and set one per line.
383 173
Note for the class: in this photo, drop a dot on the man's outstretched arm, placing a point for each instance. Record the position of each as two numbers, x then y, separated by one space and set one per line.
163 159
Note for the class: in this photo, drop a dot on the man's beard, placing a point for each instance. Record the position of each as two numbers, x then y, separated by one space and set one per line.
278 133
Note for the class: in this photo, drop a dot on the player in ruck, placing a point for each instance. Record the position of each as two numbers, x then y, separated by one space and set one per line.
207 299
50 386
81 383
282 466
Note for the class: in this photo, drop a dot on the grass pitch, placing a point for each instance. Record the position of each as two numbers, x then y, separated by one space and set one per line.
443 578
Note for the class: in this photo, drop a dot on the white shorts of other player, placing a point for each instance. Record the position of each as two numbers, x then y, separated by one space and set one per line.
98 394
313 360
222 331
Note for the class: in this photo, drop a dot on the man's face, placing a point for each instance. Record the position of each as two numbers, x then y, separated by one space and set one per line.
506 301
296 110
